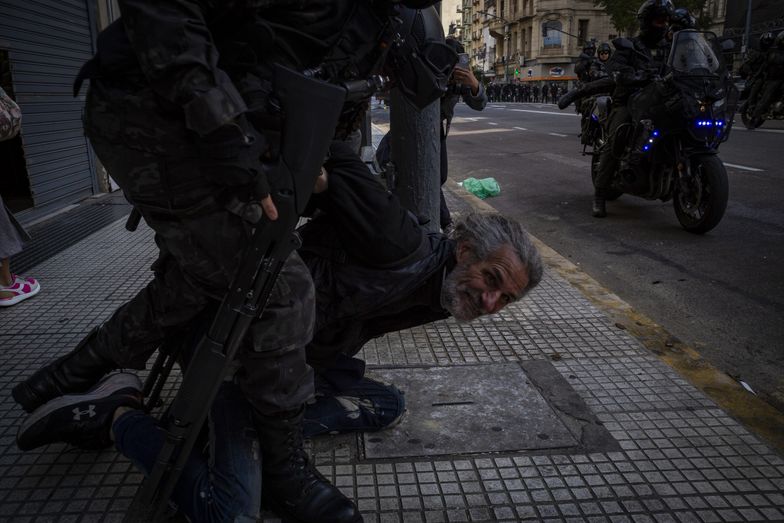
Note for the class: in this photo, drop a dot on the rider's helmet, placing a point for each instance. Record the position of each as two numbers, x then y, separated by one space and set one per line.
681 18
654 15
589 48
766 41
420 60
780 40
604 51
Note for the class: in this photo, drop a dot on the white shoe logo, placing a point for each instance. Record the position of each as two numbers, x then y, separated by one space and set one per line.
79 413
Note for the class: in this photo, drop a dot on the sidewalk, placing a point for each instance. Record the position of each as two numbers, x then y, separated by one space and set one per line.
547 411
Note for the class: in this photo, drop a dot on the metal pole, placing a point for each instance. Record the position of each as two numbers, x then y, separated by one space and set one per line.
747 33
416 154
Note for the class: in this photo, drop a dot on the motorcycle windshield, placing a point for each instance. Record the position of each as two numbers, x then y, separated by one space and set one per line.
693 53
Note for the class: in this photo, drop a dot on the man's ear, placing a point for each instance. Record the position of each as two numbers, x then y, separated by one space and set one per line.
464 251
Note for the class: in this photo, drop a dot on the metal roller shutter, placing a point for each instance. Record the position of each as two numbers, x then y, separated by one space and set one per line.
48 41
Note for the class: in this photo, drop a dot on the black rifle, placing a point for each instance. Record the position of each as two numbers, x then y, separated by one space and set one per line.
310 110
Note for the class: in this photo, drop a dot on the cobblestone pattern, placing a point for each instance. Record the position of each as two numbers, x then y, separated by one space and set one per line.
683 459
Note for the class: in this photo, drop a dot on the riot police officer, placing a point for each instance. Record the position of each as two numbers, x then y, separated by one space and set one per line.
182 113
774 77
598 67
756 57
633 65
584 62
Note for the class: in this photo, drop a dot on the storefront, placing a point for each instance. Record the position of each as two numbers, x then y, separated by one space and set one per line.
43 43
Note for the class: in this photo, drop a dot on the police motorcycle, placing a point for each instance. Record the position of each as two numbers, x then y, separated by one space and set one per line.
669 150
746 109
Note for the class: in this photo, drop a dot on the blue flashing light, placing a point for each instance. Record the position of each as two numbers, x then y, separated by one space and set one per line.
646 147
594 118
719 123
655 133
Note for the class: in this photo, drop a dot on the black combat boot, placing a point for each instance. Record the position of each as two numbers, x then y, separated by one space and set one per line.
78 371
291 485
598 210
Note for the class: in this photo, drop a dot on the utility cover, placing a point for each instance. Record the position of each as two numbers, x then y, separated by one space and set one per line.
467 409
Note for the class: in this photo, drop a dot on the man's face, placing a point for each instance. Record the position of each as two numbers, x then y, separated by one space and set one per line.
476 287
604 55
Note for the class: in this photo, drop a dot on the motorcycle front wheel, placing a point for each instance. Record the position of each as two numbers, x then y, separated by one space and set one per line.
609 194
701 207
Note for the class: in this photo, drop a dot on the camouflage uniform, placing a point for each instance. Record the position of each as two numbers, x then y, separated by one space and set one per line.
172 85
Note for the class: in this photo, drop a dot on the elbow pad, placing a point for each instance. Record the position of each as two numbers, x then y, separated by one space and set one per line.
212 109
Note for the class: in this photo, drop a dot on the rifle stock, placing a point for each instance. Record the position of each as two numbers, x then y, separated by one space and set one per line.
311 109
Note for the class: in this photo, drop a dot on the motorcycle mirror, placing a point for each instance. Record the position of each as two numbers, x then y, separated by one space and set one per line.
727 45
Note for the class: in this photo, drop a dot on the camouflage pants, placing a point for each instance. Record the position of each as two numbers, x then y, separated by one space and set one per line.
200 244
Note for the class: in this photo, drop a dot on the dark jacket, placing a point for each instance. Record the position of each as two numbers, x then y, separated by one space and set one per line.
583 66
450 99
752 65
374 267
632 66
597 70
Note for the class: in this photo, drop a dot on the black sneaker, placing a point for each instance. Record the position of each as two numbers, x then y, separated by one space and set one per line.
83 420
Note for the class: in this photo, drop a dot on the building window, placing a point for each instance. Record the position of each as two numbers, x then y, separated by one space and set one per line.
582 31
551 32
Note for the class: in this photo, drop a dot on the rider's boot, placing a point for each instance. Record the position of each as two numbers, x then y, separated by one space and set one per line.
599 209
77 371
292 486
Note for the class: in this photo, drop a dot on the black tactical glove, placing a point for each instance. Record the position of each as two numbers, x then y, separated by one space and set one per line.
231 155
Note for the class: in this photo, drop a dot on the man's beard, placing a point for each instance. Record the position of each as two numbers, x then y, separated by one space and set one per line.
462 302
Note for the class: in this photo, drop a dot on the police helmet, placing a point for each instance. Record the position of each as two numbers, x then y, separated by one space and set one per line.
603 48
780 40
681 18
766 41
420 60
589 48
653 16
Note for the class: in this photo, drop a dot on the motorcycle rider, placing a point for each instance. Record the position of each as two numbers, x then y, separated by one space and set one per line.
753 69
182 113
634 64
584 62
599 67
774 78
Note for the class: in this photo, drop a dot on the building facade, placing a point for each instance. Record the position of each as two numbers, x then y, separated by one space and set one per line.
532 40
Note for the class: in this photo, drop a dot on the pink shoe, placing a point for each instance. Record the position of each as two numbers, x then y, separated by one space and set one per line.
21 289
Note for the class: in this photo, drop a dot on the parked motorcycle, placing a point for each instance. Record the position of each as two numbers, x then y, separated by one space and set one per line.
669 150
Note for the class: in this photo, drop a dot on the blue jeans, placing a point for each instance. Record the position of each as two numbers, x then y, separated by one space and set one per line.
223 484
346 405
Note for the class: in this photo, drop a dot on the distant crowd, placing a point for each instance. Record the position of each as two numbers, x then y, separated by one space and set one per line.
536 92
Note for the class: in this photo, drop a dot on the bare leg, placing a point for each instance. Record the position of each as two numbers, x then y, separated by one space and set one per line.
5 278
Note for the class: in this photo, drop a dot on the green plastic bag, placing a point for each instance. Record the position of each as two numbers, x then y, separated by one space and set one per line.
482 188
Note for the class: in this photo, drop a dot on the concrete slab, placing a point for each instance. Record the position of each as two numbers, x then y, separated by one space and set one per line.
468 409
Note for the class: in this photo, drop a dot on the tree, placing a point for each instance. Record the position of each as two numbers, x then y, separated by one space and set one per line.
623 13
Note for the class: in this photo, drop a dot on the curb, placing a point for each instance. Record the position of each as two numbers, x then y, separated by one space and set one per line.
757 415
